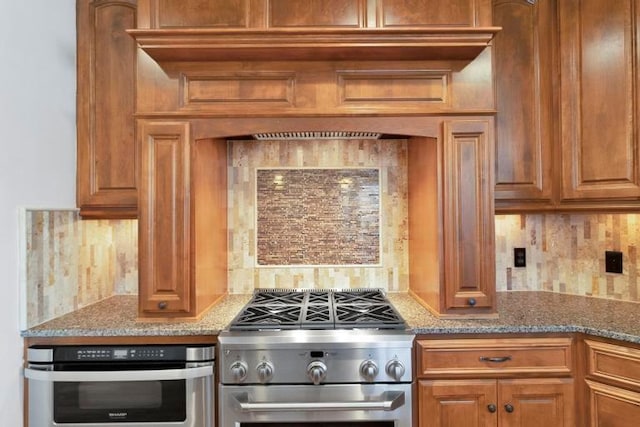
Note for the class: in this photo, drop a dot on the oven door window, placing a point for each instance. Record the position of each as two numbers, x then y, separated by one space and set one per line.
119 401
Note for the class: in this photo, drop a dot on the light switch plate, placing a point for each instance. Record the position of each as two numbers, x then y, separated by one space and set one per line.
613 262
519 257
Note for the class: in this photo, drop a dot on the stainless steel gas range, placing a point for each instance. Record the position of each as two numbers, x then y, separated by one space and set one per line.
312 358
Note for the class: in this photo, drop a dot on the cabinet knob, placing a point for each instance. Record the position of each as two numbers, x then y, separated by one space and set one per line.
508 407
162 305
471 302
492 408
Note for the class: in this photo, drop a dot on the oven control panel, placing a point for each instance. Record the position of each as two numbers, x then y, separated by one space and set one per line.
279 366
118 353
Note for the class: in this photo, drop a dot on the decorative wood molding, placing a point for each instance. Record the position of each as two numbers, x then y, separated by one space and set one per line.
295 44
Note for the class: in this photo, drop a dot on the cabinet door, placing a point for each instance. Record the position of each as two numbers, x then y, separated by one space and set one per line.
164 233
107 158
468 217
457 403
523 61
612 406
536 402
599 93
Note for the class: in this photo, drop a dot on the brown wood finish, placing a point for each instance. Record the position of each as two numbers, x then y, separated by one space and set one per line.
452 199
534 388
425 215
536 402
611 388
613 364
599 132
524 81
463 357
434 13
183 256
250 30
277 89
107 160
612 406
164 232
467 189
456 403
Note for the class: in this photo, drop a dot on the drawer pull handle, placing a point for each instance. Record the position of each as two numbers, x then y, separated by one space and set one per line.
495 359
472 302
162 305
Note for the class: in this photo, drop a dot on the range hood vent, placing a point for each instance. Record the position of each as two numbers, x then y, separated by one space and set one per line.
310 135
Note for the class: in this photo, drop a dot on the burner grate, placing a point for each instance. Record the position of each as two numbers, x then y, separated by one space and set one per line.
318 309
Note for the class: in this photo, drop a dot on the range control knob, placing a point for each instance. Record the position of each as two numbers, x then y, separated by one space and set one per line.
395 369
368 370
265 371
316 371
238 371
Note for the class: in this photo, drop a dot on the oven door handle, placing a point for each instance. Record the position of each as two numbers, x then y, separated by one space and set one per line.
387 401
105 376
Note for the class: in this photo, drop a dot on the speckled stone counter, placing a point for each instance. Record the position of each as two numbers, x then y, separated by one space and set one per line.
519 312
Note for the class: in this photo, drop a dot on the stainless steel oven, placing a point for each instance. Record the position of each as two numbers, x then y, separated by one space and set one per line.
316 359
127 386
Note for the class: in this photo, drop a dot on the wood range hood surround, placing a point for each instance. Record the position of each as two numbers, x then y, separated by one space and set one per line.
197 87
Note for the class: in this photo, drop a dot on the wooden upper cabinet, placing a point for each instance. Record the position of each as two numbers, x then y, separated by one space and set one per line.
599 95
524 73
266 30
106 150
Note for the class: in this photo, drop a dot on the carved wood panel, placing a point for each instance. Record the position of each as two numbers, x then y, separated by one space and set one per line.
164 219
469 276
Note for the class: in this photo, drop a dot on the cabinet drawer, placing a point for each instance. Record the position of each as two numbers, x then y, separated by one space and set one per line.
613 363
494 357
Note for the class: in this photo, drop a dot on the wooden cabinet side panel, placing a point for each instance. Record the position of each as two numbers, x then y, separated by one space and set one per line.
165 285
598 91
468 225
107 156
425 216
209 220
456 403
537 402
523 61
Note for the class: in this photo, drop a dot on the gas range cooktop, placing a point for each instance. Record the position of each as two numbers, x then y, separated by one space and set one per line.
277 309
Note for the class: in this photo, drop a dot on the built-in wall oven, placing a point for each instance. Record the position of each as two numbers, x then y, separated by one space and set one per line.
127 386
316 359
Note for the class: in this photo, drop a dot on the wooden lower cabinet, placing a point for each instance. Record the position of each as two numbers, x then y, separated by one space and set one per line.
496 381
487 402
613 383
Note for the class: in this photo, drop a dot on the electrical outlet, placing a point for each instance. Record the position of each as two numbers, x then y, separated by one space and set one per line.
613 262
519 257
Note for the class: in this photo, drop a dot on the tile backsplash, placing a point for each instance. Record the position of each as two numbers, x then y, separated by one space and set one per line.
71 263
565 253
387 156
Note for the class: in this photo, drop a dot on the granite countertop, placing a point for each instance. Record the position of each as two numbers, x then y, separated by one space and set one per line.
519 312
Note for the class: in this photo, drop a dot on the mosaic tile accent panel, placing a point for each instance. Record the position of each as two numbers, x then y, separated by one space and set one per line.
387 157
565 254
72 263
318 216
